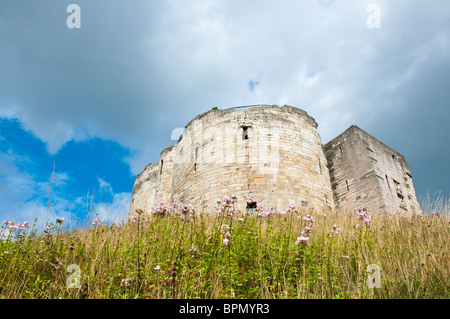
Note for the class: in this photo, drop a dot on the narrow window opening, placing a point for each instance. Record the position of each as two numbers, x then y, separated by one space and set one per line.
245 134
387 181
251 207
346 183
196 157
340 148
161 167
399 190
393 156
320 167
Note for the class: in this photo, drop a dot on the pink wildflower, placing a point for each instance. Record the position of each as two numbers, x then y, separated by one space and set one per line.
307 231
309 218
160 208
302 239
335 230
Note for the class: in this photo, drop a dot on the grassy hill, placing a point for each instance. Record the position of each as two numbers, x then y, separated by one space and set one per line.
216 252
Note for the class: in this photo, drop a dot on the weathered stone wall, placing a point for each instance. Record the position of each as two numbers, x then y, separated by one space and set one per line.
366 172
144 188
279 162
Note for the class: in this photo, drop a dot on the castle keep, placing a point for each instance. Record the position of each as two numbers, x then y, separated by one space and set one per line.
275 155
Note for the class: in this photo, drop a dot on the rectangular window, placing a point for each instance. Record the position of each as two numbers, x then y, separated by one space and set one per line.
387 181
346 183
245 134
160 169
251 207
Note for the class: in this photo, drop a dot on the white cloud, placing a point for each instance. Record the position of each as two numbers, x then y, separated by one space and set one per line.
28 198
105 187
23 197
114 212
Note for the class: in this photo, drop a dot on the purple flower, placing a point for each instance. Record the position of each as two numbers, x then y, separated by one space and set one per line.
225 241
248 199
302 240
48 230
259 208
160 208
307 231
335 230
265 214
361 213
292 206
227 201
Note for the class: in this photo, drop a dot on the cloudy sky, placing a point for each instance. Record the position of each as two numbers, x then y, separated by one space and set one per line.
101 101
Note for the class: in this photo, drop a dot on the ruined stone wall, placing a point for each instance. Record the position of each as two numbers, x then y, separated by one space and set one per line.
366 172
273 154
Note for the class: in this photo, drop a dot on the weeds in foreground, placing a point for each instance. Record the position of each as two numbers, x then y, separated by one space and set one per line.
219 252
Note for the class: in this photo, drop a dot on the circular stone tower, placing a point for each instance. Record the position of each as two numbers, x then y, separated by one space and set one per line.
273 154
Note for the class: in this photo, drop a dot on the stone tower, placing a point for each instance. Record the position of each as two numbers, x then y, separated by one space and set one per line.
366 172
275 155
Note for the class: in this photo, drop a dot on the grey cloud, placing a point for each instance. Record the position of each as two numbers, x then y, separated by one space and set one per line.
137 70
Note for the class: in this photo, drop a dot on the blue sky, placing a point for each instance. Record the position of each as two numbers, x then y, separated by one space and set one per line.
101 101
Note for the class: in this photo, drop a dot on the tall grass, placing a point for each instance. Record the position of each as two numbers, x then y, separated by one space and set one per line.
217 252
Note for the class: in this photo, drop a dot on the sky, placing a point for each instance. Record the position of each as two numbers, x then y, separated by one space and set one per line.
89 97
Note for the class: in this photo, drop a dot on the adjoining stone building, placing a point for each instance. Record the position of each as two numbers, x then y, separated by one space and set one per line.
275 155
366 172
